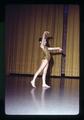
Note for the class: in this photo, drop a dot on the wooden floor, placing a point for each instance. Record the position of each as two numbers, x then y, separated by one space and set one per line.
61 99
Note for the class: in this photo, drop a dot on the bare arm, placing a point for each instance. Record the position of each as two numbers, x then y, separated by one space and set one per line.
55 48
44 38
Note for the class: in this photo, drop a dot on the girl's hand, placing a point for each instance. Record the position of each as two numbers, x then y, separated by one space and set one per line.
60 49
46 32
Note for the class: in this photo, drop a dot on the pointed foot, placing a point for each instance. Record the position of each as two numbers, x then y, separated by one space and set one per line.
45 86
33 84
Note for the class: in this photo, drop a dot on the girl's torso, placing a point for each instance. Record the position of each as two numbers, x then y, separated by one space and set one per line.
46 53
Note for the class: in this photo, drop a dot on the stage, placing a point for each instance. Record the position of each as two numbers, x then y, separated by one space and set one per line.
22 99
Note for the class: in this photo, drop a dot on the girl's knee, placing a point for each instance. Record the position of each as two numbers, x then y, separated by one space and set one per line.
46 61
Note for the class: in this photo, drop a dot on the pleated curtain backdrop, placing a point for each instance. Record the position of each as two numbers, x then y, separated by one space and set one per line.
24 25
72 43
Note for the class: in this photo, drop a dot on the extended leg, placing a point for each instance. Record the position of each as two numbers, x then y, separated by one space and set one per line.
44 77
42 66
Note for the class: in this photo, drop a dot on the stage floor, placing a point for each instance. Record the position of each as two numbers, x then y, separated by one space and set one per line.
22 99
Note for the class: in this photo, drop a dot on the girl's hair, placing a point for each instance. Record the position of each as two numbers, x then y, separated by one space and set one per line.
40 39
48 38
47 44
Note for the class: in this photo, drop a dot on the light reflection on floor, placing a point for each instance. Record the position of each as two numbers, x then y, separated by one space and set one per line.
61 99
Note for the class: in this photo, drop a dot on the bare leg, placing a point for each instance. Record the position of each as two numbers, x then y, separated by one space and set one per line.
44 77
42 66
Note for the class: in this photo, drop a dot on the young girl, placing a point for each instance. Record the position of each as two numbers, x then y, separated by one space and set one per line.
45 61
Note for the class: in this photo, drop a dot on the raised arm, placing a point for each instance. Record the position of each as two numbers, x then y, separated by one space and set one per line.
44 36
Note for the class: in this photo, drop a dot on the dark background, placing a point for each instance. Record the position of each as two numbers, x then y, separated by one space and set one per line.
3 3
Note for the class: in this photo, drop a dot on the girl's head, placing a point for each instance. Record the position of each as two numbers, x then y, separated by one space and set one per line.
45 38
44 42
